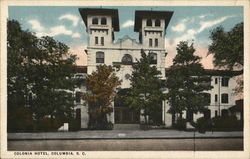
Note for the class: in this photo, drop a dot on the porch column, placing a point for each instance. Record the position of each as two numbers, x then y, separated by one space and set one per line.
84 117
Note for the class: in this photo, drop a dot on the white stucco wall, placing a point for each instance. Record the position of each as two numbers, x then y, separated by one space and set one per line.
218 90
214 106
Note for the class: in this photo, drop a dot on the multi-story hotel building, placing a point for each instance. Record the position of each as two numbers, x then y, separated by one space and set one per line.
103 48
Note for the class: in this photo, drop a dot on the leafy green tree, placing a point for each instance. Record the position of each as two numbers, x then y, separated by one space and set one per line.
51 79
39 76
186 82
146 91
227 47
20 45
101 86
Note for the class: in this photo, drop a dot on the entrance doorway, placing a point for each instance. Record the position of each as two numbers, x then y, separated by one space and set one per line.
124 114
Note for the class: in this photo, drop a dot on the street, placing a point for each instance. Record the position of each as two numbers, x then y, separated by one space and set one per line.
214 144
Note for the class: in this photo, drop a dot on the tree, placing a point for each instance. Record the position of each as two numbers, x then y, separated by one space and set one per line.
101 86
227 47
186 82
146 91
54 68
40 74
20 44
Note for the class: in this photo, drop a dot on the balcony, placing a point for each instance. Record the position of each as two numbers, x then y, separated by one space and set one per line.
99 27
149 28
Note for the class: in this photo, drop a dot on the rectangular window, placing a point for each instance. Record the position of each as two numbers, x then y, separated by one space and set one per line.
216 80
102 41
156 42
224 98
78 97
216 98
216 113
150 43
100 57
96 40
224 81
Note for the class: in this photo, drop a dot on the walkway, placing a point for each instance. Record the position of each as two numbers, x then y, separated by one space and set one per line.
122 134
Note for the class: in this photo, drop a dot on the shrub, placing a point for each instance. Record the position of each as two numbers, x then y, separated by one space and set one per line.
180 124
74 125
144 126
101 125
20 120
229 123
46 124
110 126
203 125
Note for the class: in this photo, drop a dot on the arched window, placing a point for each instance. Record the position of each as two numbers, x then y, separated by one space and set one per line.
127 59
95 20
154 58
157 22
149 22
99 57
103 21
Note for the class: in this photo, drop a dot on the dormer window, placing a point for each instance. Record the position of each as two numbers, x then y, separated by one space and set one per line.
95 20
103 21
157 22
149 22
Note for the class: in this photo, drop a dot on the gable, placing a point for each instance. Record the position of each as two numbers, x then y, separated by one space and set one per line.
127 42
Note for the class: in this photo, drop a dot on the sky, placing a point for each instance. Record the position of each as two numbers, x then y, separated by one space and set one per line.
190 23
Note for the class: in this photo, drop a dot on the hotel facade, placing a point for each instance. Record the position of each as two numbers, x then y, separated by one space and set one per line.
103 48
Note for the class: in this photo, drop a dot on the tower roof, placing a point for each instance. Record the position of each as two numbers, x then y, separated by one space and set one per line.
140 14
101 12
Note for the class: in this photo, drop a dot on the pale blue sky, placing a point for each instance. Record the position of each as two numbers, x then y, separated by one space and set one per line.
187 23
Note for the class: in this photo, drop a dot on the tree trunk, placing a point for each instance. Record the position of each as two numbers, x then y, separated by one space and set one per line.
145 118
173 118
